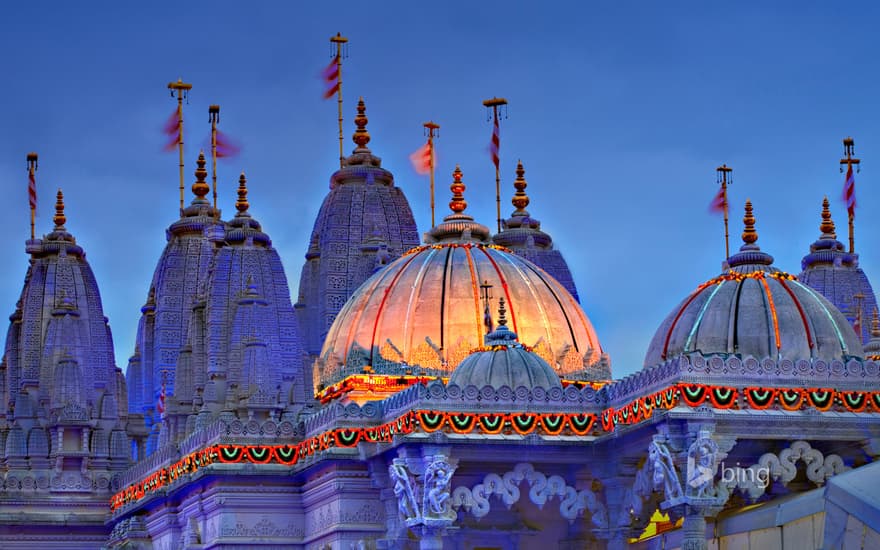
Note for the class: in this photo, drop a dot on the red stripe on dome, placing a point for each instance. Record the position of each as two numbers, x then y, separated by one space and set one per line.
506 290
800 310
474 283
693 296
384 299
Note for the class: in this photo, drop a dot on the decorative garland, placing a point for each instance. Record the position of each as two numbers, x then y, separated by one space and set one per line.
491 423
440 246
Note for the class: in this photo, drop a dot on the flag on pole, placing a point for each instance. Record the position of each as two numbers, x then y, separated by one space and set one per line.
172 130
32 190
331 78
719 203
487 319
226 147
857 324
421 159
849 192
495 144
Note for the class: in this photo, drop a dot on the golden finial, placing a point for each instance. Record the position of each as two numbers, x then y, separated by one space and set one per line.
520 199
361 135
875 325
242 203
457 204
827 226
200 188
749 235
502 313
59 218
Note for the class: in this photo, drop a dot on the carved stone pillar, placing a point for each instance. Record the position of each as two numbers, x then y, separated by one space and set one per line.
422 487
693 530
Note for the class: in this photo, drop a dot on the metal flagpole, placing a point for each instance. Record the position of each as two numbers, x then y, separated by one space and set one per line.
182 89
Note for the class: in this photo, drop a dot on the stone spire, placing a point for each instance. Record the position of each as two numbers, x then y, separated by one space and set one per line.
458 226
59 217
749 235
520 200
344 251
872 348
242 204
827 225
361 136
200 188
835 273
750 257
522 233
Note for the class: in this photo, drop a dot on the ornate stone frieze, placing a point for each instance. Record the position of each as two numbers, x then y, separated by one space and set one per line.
476 499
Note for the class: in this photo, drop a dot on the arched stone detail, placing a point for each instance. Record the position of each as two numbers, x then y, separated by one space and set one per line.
542 488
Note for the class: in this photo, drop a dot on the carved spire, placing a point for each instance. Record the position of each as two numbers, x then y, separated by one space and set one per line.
827 225
200 188
60 219
749 235
457 204
242 204
361 136
520 199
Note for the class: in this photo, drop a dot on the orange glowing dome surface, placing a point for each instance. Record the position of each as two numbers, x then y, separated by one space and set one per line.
424 313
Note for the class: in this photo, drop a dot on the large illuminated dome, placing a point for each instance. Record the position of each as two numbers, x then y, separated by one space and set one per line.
757 310
425 312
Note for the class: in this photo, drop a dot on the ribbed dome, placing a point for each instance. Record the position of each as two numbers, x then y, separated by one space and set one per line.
756 310
425 310
504 362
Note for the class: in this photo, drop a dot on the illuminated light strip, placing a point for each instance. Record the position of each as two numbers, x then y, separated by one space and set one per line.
388 290
772 312
800 310
827 313
289 455
694 328
470 262
506 290
678 315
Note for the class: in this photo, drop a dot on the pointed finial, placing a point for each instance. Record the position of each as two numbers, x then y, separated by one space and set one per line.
827 225
60 219
200 188
242 204
520 199
502 313
361 135
457 204
875 325
749 235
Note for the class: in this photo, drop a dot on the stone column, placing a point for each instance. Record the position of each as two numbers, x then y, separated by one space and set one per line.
693 531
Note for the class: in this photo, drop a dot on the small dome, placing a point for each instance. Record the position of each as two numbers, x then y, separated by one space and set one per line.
504 362
755 309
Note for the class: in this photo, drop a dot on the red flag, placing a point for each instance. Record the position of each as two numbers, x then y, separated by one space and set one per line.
495 144
719 203
172 130
421 159
330 75
32 190
849 192
857 325
226 147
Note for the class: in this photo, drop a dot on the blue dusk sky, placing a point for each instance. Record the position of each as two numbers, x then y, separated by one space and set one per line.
620 112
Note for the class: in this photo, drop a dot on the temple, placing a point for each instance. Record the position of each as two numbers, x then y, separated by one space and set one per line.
449 393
